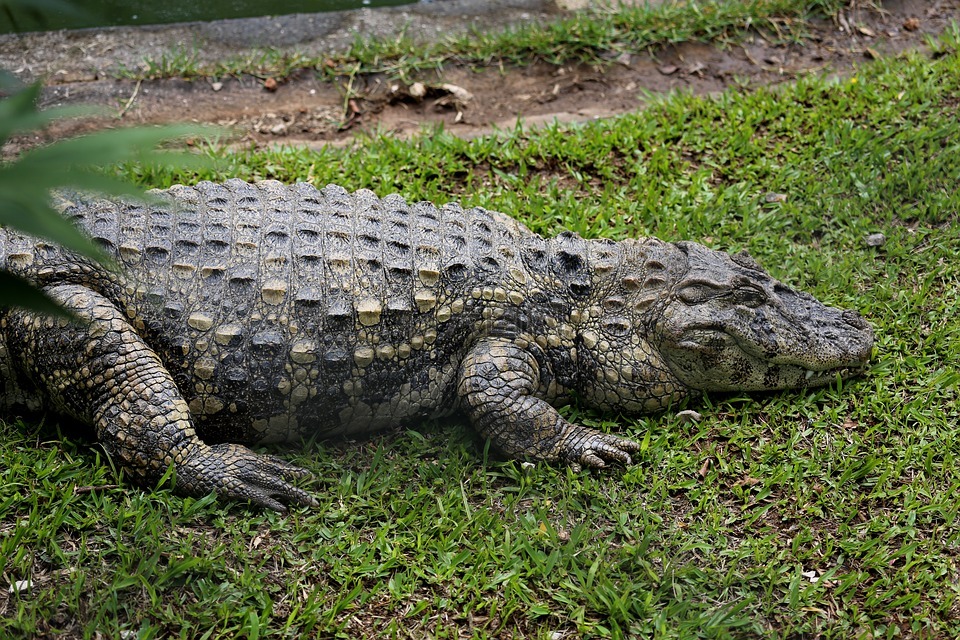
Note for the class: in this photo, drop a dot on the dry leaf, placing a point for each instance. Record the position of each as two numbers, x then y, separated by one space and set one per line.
459 93
704 468
20 585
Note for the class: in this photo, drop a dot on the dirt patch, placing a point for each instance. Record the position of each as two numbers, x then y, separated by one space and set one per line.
304 110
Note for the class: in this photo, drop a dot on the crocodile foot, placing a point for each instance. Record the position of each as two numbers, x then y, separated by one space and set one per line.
235 472
591 448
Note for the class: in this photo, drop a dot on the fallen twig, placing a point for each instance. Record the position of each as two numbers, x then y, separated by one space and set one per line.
136 91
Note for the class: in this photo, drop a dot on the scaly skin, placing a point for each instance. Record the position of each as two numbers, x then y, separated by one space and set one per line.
263 313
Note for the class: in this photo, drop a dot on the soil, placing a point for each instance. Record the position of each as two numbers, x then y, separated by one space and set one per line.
467 101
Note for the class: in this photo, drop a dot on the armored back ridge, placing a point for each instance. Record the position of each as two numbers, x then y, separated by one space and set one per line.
263 312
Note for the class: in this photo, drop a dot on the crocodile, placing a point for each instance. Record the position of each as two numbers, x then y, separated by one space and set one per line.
245 313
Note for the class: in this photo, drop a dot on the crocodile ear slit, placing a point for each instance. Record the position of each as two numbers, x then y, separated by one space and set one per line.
746 261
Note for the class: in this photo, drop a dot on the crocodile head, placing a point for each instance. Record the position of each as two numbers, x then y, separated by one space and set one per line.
664 320
726 325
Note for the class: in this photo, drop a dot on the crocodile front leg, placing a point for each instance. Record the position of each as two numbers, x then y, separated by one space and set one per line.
100 371
496 387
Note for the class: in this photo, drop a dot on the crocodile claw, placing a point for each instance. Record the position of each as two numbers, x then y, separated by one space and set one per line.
235 472
595 449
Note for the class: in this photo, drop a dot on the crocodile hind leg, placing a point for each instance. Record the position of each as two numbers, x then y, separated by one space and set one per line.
100 371
496 387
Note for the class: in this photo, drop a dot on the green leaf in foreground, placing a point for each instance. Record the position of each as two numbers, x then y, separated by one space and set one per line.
26 183
26 295
19 114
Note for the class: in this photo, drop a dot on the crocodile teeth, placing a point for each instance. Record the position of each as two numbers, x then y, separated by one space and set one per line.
809 374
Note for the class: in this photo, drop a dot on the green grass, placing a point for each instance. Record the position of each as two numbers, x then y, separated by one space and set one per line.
589 36
828 513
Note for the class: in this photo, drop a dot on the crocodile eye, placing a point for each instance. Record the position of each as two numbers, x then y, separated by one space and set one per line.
700 292
749 297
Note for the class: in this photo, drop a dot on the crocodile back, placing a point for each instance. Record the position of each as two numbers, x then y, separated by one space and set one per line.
286 310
